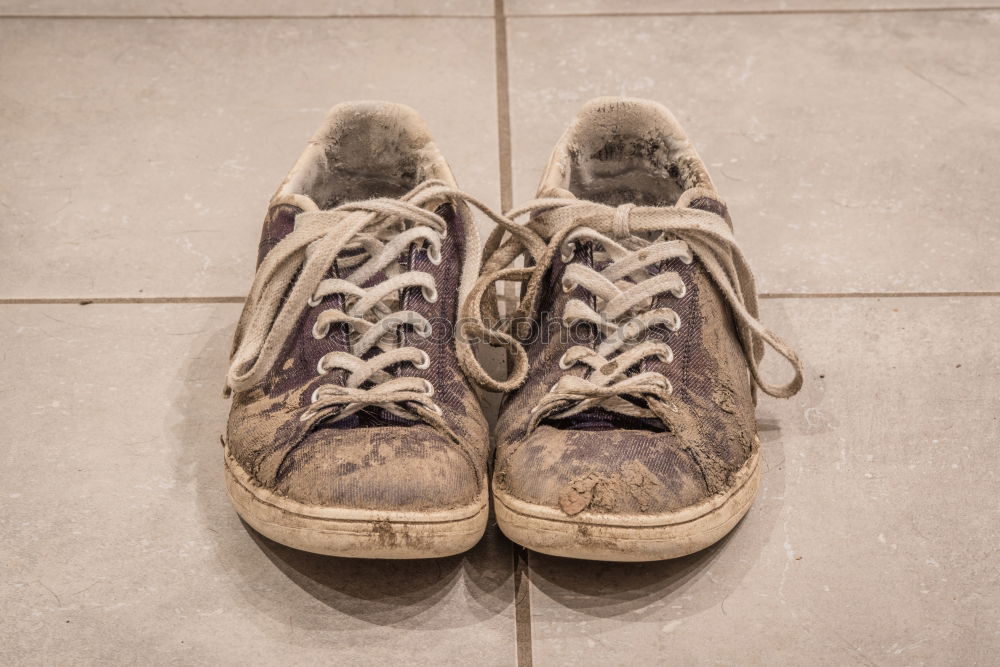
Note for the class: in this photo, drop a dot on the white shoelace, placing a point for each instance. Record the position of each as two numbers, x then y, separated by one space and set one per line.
623 316
368 236
624 290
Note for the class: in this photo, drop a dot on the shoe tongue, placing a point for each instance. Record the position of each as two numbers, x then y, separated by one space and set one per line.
597 418
409 260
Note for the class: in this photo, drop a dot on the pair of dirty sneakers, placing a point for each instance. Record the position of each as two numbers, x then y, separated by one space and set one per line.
629 319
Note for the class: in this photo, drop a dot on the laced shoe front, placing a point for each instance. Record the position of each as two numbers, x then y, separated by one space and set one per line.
353 431
627 430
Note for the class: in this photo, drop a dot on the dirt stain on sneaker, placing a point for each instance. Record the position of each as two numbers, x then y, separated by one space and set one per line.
609 492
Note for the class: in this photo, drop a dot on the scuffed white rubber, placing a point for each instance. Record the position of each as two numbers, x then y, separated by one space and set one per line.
355 533
638 537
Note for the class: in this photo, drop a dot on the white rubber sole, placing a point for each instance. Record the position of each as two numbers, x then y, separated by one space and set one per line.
639 537
355 533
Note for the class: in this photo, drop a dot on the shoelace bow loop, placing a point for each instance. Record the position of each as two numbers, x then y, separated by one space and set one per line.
681 232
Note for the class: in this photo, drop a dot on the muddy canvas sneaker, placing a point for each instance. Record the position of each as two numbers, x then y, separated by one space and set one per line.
627 432
353 431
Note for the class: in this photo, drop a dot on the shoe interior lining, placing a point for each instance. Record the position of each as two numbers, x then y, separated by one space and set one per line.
365 151
621 151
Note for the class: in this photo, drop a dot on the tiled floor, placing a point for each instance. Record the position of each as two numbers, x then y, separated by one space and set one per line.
856 143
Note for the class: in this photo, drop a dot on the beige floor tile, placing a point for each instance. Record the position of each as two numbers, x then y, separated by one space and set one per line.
856 150
118 545
137 157
874 538
245 7
535 7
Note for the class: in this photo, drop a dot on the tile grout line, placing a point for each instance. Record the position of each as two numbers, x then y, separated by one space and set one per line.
503 107
97 300
871 295
522 585
237 17
761 12
522 606
725 12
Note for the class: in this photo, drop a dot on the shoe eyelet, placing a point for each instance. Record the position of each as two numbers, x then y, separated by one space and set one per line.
430 294
424 363
433 254
321 369
677 324
680 293
567 286
567 251
423 331
562 363
313 301
436 409
428 387
315 395
325 329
